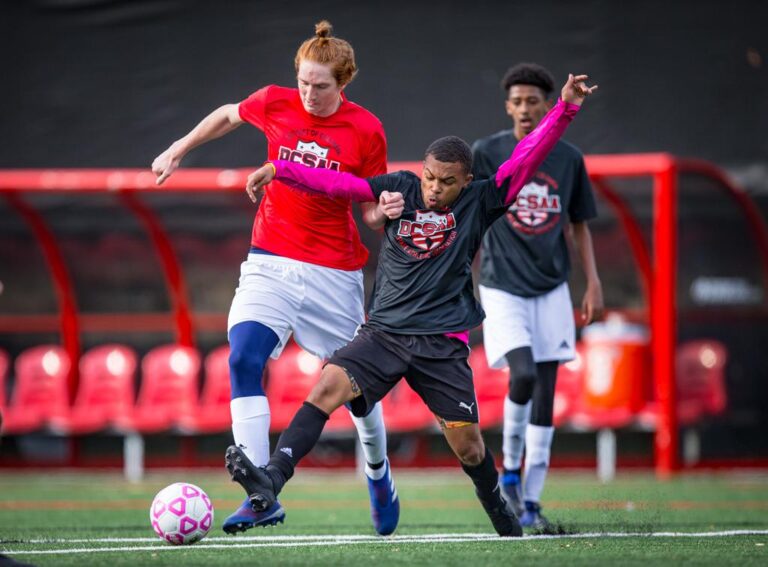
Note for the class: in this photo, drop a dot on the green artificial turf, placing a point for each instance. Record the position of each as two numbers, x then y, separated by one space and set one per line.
84 511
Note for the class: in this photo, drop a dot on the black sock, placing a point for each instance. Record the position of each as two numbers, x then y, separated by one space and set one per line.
486 480
295 442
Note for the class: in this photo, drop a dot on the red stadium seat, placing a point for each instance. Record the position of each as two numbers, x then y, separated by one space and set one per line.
40 390
169 381
491 387
212 414
700 380
700 368
105 390
291 378
405 411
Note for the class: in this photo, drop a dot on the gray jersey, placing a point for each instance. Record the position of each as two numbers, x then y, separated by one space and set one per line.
525 252
424 277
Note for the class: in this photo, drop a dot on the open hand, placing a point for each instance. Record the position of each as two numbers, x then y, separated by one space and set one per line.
258 179
576 90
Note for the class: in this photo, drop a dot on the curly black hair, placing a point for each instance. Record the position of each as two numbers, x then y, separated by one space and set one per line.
529 74
451 149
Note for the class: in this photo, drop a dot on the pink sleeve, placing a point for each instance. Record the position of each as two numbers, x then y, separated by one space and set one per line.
324 181
533 149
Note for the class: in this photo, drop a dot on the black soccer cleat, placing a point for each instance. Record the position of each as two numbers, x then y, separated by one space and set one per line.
502 515
255 480
504 521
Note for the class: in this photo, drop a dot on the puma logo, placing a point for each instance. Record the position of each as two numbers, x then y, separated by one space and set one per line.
467 407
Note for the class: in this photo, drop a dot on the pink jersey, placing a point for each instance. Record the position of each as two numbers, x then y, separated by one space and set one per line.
312 227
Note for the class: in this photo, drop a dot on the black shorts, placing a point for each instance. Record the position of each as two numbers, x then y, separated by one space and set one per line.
435 366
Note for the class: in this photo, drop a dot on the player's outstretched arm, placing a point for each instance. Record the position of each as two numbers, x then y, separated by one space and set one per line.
219 122
529 154
336 184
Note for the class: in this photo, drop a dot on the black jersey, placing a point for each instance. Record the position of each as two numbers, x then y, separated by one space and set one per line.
424 277
525 252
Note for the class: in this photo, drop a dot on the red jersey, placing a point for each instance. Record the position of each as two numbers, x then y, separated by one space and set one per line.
294 224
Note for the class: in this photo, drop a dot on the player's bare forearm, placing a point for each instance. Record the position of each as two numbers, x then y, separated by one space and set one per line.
592 305
373 217
218 123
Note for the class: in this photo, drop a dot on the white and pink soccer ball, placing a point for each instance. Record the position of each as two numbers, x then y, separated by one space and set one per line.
181 513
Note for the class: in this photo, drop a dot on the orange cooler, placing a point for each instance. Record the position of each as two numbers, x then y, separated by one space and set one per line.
617 366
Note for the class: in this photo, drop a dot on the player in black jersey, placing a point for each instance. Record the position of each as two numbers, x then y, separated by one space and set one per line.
524 284
423 304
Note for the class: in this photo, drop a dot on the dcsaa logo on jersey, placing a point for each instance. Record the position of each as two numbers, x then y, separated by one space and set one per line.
430 231
536 209
310 154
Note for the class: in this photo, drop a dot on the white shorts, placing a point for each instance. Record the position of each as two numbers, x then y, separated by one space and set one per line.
322 307
544 323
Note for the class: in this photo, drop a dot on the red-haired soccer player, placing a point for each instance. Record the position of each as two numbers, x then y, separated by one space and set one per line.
303 272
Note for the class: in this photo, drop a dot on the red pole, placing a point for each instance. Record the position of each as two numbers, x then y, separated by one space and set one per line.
69 325
663 318
174 276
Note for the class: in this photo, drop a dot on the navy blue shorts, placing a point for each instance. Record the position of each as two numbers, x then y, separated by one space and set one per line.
435 367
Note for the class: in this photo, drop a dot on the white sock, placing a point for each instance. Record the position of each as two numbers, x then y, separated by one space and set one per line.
250 427
538 441
373 439
515 421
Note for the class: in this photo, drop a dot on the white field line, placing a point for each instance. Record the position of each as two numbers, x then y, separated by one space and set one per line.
330 540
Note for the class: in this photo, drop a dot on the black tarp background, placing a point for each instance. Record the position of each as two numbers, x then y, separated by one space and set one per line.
100 83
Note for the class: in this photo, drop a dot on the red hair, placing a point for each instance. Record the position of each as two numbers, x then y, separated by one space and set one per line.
329 50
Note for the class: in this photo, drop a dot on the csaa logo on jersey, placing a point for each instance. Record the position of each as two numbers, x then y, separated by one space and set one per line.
536 209
429 231
310 154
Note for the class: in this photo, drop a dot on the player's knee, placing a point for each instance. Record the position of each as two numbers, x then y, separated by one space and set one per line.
470 453
251 343
245 373
521 386
332 390
467 444
522 374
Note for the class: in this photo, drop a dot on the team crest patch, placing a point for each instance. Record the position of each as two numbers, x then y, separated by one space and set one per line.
536 209
312 147
430 232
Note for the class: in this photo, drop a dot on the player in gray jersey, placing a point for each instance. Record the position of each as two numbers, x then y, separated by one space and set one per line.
524 284
423 305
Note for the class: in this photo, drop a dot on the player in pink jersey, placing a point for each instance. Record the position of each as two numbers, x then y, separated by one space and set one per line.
303 272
